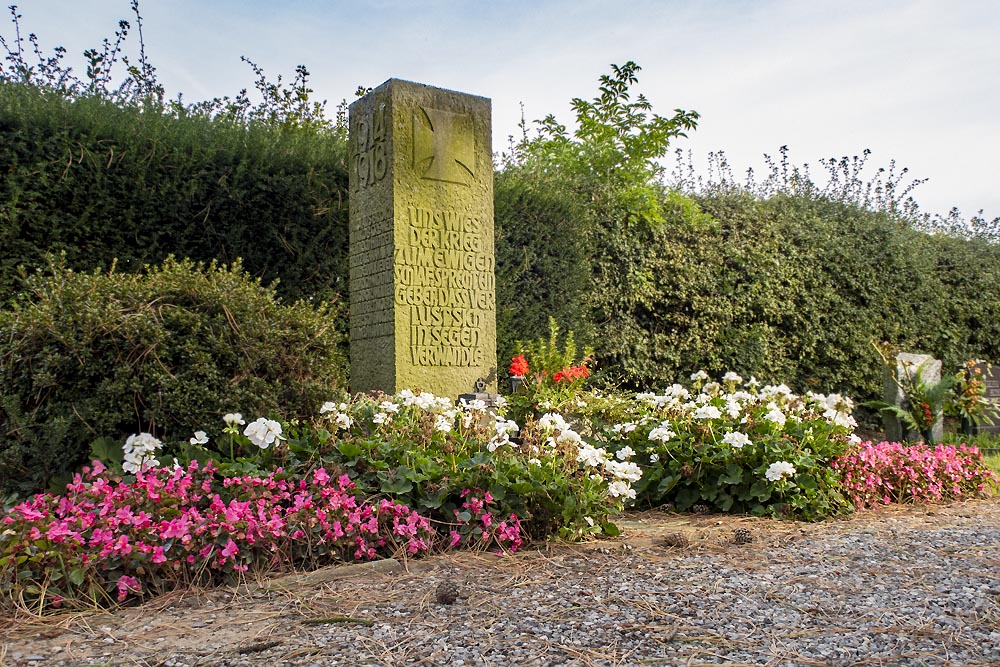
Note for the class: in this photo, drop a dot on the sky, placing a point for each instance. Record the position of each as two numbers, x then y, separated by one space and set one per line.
914 81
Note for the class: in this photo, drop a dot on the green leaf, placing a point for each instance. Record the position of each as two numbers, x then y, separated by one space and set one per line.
349 450
610 528
733 474
76 576
107 450
761 490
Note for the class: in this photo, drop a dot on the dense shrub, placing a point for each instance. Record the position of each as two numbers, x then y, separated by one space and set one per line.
93 355
542 259
98 182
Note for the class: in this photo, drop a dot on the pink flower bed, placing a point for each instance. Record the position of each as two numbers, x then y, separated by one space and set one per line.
105 537
888 472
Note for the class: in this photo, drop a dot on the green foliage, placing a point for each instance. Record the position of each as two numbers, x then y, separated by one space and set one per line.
103 355
97 182
543 266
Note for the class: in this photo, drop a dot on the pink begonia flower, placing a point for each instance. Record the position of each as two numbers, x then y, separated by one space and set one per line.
127 584
230 549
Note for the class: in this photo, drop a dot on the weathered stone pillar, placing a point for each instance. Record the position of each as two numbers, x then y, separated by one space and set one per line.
422 285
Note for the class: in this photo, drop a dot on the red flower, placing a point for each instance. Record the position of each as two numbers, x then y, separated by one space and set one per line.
571 373
519 366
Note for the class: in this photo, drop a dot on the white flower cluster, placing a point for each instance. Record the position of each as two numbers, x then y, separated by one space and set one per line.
425 400
264 432
673 397
338 414
737 440
386 410
836 408
590 456
138 451
504 429
233 419
779 470
662 433
738 401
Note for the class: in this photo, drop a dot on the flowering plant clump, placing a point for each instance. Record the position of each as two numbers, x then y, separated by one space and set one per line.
425 451
110 539
477 526
736 446
891 472
550 377
968 400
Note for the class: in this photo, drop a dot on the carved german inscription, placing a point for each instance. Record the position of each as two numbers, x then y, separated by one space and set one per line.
450 290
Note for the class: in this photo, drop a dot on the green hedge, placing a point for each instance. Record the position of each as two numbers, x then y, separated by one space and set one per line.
791 288
543 262
168 351
98 182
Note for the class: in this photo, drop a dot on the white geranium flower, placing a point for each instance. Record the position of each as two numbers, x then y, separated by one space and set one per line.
775 415
779 470
839 418
138 450
506 426
534 462
711 388
625 470
142 443
552 421
625 453
475 404
620 489
627 427
329 406
343 421
389 406
699 376
707 412
736 440
733 408
654 458
854 439
732 377
381 418
569 437
443 423
263 432
679 391
200 438
233 419
591 456
662 433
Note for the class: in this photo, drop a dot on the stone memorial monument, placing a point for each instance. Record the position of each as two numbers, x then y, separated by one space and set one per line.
422 282
929 370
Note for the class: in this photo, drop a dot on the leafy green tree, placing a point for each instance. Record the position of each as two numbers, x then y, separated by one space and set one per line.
610 164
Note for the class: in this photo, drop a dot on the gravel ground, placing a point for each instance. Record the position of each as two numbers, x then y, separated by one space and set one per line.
913 586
